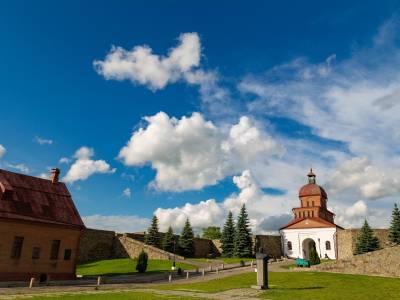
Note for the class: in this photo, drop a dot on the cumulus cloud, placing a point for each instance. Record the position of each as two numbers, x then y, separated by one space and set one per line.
370 181
84 166
118 223
191 153
64 160
19 167
2 151
127 193
43 141
140 65
261 208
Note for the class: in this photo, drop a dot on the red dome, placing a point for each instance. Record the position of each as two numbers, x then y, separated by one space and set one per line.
312 189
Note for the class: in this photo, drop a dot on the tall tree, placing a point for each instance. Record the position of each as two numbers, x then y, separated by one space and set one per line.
394 230
169 240
153 236
366 240
314 258
211 232
243 242
228 237
186 240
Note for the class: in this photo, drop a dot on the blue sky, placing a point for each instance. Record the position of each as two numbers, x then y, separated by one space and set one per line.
290 75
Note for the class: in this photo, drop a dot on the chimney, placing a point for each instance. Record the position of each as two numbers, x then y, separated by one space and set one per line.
55 173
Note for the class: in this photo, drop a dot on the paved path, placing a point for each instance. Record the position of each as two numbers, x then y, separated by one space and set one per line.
239 294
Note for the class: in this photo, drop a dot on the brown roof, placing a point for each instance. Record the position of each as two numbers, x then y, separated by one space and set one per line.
325 223
33 199
312 189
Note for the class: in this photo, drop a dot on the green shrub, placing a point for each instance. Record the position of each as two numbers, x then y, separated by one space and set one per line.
141 265
314 258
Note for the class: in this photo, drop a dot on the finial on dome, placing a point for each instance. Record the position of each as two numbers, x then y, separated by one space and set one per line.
311 176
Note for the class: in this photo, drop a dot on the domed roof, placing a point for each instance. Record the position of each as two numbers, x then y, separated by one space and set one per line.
312 189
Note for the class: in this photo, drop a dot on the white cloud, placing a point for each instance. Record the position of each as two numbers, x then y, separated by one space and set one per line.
260 208
127 193
118 223
371 182
2 151
43 141
19 167
84 166
64 160
190 153
141 66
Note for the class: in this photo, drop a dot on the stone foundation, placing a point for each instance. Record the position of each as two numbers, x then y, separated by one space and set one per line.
383 262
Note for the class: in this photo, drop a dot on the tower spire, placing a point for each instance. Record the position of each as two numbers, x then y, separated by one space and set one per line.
311 176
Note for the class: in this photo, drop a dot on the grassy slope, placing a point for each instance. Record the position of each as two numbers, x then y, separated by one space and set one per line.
126 266
306 285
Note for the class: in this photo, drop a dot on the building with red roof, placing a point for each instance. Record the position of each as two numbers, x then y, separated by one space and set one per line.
40 228
312 226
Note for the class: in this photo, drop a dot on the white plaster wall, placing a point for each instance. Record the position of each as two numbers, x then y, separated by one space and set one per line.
319 235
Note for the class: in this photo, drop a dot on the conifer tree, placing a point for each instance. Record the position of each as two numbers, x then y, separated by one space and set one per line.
314 258
228 237
153 236
394 230
168 241
141 264
243 242
366 240
186 242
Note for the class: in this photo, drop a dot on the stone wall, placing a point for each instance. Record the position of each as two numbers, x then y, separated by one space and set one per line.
128 247
271 244
205 248
383 262
346 241
96 245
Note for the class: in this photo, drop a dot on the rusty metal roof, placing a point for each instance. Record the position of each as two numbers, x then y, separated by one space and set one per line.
33 199
312 189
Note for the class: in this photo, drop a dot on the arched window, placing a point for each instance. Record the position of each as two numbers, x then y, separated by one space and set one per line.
289 245
328 245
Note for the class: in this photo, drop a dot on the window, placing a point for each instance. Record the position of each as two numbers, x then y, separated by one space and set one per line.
35 253
17 247
55 248
67 254
312 214
328 245
289 245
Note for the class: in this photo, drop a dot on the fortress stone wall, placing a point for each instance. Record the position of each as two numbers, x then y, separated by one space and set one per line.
346 241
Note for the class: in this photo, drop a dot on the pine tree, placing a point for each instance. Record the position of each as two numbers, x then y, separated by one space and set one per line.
169 240
228 237
186 242
141 264
366 240
314 258
394 230
153 236
243 242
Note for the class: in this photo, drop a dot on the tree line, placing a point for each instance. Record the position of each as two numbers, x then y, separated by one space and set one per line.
367 240
235 239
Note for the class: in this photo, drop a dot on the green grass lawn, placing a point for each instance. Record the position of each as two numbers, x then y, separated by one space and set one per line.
110 295
124 266
306 285
225 260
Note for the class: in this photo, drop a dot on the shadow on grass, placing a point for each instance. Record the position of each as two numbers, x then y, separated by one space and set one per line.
297 288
